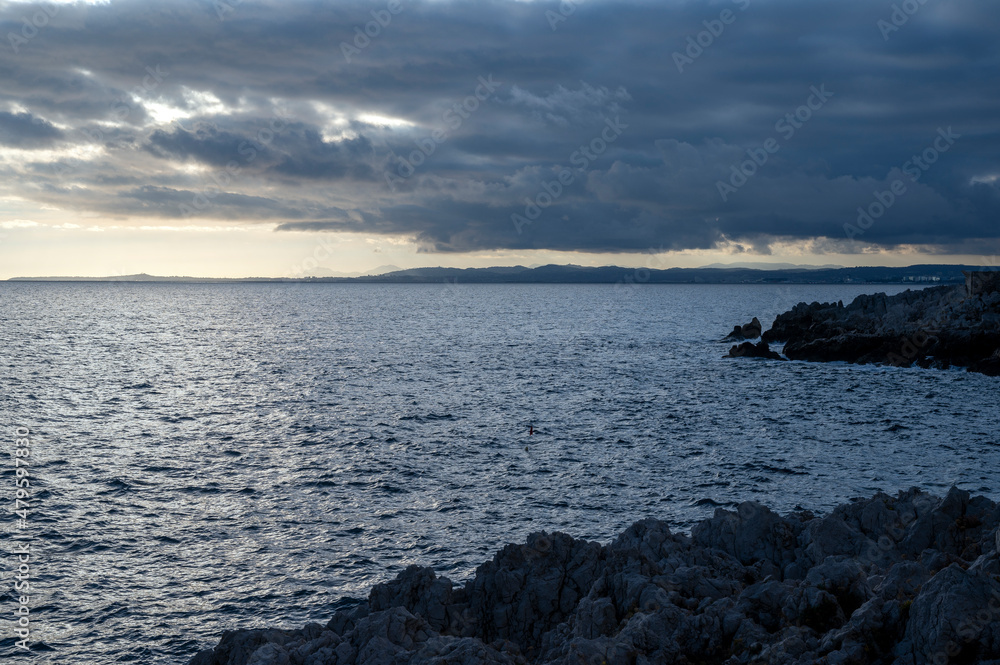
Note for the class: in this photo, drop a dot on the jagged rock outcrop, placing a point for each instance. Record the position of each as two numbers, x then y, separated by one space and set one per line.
940 327
751 350
910 579
750 330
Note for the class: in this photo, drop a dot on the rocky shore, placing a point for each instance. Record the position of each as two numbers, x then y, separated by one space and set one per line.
747 331
941 327
751 350
903 580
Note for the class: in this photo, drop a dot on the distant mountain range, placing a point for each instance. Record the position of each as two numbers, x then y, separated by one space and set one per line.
760 265
573 274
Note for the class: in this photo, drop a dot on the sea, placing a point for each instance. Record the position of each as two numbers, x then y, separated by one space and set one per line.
206 457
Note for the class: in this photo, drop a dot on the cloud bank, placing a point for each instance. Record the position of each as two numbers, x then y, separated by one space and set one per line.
582 126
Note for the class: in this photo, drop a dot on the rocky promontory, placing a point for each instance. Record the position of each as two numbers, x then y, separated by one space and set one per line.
935 327
905 580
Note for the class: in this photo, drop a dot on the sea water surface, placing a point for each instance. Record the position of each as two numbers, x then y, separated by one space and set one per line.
214 456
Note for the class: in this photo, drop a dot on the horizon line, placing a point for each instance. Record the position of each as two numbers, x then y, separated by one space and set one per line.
145 277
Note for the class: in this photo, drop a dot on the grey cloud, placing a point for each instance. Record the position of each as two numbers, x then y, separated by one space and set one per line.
295 152
204 144
313 158
24 130
654 186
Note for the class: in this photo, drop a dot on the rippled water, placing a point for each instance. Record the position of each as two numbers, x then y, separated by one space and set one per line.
217 456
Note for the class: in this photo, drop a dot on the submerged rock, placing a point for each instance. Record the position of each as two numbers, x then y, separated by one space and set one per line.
898 580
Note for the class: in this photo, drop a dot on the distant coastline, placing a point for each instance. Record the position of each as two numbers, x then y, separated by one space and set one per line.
917 275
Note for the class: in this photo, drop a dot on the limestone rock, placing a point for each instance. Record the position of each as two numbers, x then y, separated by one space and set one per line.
912 578
938 326
751 350
750 330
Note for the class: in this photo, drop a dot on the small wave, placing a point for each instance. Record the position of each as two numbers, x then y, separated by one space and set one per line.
430 417
201 489
116 486
175 419
159 469
781 469
84 545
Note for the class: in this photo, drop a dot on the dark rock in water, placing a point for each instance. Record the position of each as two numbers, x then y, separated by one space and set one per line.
751 350
750 330
988 366
910 579
936 327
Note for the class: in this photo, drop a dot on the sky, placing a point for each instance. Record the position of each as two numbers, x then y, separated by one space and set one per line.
281 138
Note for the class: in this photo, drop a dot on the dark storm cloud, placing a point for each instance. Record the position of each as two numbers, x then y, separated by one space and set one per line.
296 152
309 156
502 99
207 145
24 130
164 202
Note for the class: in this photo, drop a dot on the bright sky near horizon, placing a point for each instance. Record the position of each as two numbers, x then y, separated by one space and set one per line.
263 138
